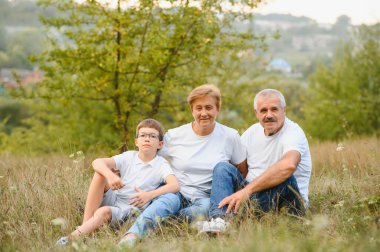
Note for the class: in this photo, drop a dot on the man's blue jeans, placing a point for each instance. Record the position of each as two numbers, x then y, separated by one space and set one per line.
227 179
167 205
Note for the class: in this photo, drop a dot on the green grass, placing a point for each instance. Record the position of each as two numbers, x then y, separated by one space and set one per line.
344 214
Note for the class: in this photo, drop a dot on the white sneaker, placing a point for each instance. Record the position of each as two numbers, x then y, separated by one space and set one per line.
218 225
203 226
63 241
128 241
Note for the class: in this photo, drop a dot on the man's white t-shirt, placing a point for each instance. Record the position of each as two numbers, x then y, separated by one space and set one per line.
263 151
134 173
194 157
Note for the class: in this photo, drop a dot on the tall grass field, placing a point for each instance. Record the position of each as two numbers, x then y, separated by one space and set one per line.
42 198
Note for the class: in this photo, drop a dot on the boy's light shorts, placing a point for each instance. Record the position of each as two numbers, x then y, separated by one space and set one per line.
119 214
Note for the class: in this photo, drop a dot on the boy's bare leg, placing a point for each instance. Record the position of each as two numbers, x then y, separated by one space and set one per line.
95 195
101 216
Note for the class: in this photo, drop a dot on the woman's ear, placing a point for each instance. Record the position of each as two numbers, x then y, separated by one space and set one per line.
136 142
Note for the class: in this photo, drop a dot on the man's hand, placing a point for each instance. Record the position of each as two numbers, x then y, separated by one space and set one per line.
235 200
141 198
115 182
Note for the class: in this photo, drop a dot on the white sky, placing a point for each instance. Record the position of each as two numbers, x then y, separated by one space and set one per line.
325 11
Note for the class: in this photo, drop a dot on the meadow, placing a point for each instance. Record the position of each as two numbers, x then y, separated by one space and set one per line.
42 198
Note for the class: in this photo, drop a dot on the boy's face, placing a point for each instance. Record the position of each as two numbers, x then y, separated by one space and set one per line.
148 140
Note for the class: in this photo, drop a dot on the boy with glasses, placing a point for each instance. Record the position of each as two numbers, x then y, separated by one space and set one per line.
115 199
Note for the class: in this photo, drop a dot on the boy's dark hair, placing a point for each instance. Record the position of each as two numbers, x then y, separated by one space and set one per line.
151 123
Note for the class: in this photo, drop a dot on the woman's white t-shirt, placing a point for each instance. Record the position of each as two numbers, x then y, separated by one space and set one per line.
194 157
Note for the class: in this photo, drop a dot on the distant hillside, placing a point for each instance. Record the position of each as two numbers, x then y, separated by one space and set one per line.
22 13
300 41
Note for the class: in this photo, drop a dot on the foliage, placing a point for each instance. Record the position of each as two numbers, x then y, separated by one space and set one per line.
345 99
19 46
107 68
41 126
43 198
18 13
238 110
135 62
21 34
12 113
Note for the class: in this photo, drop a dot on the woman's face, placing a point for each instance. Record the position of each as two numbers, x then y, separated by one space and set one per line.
204 111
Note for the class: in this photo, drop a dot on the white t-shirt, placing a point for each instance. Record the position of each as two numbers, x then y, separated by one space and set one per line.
134 173
194 157
263 151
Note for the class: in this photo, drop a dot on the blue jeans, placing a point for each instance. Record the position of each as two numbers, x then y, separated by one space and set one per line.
160 208
167 205
194 209
226 180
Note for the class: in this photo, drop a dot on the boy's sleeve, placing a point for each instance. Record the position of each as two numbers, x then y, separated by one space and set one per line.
120 160
165 171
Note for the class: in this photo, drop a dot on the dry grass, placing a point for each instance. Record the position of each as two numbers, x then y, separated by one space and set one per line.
344 213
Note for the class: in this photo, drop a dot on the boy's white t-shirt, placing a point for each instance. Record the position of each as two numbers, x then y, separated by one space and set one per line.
134 173
263 151
194 157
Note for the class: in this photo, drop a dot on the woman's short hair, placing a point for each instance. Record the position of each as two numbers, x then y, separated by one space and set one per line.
205 90
153 124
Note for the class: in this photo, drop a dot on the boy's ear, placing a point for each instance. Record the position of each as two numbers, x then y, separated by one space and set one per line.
160 144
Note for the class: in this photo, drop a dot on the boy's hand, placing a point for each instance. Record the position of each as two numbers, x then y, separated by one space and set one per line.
115 182
141 198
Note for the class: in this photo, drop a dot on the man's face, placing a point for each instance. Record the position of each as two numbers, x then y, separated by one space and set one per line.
270 114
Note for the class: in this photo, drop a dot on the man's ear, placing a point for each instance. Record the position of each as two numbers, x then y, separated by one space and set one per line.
255 111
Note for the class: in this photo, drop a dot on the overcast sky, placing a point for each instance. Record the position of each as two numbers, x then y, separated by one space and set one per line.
323 11
326 11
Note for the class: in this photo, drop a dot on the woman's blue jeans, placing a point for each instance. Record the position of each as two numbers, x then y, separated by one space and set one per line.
167 205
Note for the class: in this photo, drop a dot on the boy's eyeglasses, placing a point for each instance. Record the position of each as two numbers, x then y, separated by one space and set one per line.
150 136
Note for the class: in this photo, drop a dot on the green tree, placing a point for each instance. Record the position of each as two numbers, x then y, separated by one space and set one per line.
19 12
3 34
345 99
19 46
341 25
137 61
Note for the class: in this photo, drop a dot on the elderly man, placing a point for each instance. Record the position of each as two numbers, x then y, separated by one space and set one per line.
279 166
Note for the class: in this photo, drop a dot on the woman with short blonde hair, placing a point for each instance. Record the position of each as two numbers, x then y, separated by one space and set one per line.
193 150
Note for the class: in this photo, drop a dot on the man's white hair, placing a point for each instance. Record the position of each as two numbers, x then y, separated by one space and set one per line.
269 92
